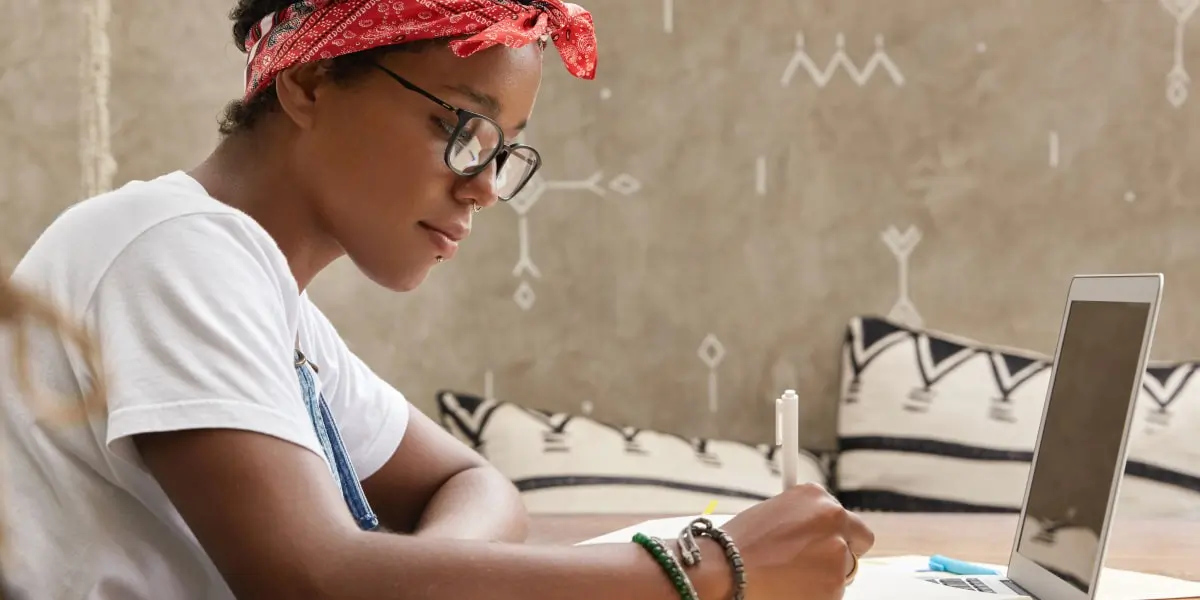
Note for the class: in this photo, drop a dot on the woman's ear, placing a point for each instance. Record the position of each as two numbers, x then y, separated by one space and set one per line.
297 91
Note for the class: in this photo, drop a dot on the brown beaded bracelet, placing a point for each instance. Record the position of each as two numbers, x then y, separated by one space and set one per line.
689 550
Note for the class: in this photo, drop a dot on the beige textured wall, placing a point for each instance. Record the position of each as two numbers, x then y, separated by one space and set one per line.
956 146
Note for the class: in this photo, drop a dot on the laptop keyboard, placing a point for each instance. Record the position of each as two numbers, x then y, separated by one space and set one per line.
972 584
969 584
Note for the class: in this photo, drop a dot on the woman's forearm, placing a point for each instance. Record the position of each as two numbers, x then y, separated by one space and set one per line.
378 566
476 504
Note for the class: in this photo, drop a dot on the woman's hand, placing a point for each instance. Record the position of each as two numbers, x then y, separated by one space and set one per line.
798 545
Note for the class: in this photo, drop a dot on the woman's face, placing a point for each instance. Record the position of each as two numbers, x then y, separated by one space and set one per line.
372 153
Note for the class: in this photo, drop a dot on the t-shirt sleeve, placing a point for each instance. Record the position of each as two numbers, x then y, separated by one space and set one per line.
371 415
195 327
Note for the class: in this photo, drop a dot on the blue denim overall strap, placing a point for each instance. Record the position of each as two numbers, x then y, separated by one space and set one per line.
335 451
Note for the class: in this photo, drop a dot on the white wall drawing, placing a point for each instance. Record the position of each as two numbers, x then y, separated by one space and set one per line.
525 297
95 147
711 353
760 176
901 246
841 60
1178 80
669 16
1054 149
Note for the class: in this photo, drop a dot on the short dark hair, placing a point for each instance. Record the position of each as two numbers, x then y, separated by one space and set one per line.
241 115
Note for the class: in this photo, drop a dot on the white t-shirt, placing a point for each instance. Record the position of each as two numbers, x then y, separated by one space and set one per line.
198 316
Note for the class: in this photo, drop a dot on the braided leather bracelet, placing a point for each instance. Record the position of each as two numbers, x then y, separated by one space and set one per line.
690 551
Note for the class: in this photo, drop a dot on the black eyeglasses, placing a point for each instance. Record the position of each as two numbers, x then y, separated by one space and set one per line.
475 141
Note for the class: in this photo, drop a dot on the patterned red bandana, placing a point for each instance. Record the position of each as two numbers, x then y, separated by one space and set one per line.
312 30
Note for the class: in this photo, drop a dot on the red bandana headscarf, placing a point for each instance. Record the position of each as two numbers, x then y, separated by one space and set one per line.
312 30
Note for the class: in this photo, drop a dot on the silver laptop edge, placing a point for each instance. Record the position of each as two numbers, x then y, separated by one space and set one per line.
1025 576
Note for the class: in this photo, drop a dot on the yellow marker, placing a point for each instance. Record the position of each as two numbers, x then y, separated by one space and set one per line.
711 507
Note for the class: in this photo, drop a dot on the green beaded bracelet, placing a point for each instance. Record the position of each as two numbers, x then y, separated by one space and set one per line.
666 559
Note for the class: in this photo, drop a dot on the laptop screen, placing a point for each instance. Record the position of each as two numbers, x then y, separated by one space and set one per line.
1081 438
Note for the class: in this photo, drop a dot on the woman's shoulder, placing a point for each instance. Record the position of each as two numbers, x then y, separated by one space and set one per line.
164 225
137 206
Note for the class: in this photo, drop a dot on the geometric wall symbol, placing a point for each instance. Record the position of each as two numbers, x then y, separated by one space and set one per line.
524 296
901 245
669 16
760 176
537 187
711 353
1178 80
841 60
1054 149
95 148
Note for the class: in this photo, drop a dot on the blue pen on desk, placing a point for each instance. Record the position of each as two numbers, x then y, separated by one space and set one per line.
943 564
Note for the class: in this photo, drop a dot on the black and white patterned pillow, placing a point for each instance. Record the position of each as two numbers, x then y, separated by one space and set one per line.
935 422
566 463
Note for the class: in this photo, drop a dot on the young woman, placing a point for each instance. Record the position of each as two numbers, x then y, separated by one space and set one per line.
244 451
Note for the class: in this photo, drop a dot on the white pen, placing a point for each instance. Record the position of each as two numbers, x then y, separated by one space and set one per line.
787 435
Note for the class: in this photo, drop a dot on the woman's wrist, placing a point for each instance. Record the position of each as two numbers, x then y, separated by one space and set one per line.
710 579
703 562
713 577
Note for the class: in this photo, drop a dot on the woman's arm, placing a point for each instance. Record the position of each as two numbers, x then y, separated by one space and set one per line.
270 516
466 570
477 503
436 486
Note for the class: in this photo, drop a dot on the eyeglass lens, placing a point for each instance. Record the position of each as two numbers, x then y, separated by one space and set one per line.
477 142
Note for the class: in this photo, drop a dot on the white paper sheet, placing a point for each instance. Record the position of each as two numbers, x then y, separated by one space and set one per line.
892 577
667 529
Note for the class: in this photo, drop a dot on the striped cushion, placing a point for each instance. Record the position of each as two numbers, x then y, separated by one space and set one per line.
573 464
934 422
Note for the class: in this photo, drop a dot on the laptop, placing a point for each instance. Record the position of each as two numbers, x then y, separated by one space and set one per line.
1079 459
